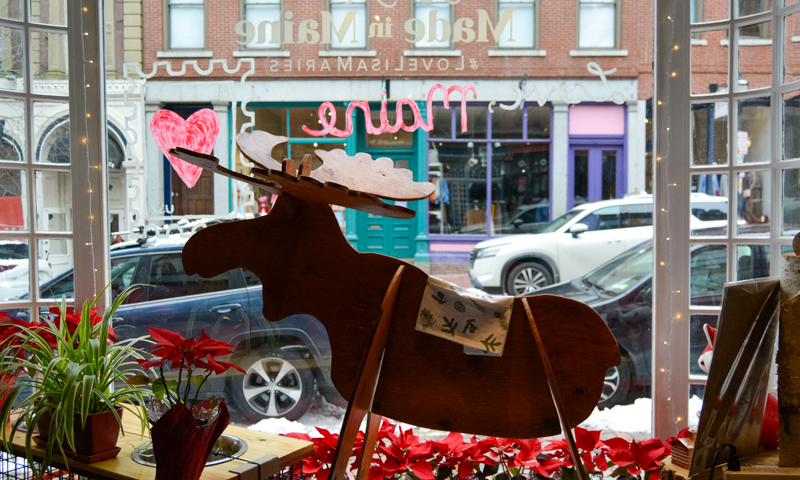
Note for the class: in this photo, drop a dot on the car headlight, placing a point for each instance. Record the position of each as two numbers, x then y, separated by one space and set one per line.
488 252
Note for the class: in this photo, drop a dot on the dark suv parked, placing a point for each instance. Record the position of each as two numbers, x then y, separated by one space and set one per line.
621 291
287 362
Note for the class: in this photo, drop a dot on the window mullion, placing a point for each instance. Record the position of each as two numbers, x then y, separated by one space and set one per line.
672 191
776 111
88 150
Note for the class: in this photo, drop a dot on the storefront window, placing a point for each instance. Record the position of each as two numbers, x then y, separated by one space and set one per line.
518 166
520 187
399 139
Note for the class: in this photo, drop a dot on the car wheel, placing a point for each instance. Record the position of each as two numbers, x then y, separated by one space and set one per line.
527 277
272 387
616 386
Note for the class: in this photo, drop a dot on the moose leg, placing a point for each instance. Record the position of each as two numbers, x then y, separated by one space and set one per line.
551 381
373 427
361 398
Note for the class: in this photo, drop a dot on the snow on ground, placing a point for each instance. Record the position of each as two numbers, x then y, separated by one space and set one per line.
630 421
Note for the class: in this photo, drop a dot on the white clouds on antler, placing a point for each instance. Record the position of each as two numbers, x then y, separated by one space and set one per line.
359 173
362 173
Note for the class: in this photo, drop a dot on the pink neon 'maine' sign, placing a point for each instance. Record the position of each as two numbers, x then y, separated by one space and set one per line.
328 126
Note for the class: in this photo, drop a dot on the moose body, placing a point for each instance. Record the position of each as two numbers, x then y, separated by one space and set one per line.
307 266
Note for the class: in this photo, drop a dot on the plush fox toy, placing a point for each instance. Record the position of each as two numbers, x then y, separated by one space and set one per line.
769 428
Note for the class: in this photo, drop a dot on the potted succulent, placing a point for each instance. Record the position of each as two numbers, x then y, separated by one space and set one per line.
184 430
73 361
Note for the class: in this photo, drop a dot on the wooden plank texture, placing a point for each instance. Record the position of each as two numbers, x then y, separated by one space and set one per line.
288 450
360 403
789 363
556 394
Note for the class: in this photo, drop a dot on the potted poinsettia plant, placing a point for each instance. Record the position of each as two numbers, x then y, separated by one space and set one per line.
184 430
72 362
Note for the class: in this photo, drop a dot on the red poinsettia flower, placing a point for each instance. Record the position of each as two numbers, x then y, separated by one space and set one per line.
455 454
172 347
218 367
208 346
148 364
648 454
73 319
636 456
404 453
499 448
587 442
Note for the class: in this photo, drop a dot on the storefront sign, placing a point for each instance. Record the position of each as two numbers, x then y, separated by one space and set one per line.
329 127
570 92
462 30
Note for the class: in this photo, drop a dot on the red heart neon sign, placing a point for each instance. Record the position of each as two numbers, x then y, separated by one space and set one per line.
198 132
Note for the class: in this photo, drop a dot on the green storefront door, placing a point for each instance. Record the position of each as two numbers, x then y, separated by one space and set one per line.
388 236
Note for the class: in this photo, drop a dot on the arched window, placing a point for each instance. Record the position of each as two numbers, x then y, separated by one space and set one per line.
55 146
9 150
10 180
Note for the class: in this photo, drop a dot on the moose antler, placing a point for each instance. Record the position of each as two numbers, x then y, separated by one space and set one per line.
360 172
357 182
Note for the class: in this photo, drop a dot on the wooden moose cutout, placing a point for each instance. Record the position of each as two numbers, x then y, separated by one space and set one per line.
368 304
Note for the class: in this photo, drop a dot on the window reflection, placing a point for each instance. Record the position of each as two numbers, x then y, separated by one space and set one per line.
518 165
520 187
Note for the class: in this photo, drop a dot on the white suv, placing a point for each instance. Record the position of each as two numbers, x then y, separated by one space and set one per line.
575 243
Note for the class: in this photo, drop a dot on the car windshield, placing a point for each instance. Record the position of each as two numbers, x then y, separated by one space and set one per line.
617 276
559 222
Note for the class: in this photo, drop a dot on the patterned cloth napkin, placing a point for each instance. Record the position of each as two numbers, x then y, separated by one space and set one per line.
463 316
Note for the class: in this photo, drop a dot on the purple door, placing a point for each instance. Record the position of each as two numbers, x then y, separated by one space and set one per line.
596 173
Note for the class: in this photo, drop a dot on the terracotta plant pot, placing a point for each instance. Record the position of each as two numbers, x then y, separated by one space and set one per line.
100 434
181 446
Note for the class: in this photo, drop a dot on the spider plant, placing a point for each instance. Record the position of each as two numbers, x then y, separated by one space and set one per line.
73 362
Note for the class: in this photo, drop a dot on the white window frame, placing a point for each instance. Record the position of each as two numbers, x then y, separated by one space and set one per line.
167 46
617 25
536 22
267 46
85 38
341 48
673 171
450 44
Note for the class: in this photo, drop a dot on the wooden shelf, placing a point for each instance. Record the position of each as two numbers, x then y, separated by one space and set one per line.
287 450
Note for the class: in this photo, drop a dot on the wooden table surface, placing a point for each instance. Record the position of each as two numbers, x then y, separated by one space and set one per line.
288 450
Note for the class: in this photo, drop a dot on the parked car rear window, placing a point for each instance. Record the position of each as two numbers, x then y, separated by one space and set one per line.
638 215
122 274
251 279
168 279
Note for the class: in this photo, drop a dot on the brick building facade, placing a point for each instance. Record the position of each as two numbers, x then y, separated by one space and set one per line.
572 77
